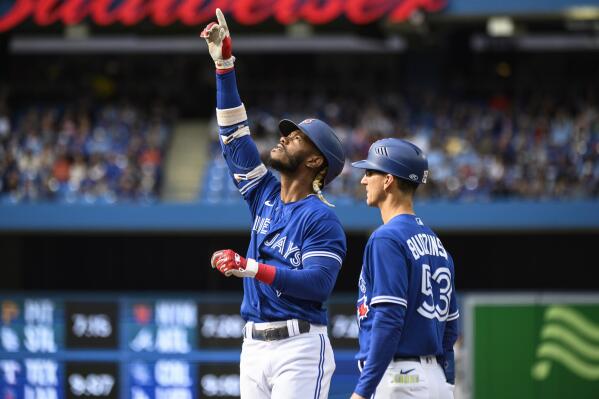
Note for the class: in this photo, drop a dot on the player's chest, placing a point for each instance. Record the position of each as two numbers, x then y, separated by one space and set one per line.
278 236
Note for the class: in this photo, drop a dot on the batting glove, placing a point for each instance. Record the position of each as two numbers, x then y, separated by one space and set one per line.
229 263
219 42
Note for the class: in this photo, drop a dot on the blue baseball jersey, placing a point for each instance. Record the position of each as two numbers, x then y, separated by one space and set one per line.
304 240
406 264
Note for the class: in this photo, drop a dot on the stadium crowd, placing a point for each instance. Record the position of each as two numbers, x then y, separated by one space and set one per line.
533 148
81 154
529 148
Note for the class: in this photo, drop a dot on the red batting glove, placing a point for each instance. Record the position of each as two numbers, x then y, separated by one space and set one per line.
229 262
226 261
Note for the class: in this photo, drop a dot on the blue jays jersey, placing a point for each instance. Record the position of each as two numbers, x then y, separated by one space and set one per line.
406 264
296 236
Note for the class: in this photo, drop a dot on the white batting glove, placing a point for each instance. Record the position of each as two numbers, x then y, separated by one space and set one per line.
219 42
250 270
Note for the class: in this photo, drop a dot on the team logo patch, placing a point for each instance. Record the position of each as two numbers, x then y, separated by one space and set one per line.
413 177
306 121
363 308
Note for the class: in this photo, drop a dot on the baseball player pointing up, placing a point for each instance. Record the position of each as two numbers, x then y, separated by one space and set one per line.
406 308
297 243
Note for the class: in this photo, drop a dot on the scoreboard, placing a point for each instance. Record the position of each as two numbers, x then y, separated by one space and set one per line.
139 347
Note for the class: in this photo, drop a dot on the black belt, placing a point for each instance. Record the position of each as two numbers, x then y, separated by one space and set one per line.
278 333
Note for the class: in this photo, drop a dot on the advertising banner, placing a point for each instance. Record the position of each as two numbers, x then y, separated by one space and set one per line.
197 12
548 349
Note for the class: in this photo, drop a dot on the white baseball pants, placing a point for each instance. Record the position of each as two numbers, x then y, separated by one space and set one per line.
405 379
299 367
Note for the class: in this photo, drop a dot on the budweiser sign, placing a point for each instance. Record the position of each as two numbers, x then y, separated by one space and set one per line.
196 12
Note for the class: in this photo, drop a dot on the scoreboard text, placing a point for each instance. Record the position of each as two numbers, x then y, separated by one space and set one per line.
130 347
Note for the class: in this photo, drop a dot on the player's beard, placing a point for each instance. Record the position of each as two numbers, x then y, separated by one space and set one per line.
289 165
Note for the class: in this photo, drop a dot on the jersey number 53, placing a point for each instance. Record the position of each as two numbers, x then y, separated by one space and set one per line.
442 278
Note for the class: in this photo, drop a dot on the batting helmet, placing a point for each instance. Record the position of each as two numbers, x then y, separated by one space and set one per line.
398 158
324 139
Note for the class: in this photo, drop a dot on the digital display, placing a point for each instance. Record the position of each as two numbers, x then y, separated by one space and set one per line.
161 326
139 347
219 380
92 325
165 378
31 378
33 326
92 380
221 326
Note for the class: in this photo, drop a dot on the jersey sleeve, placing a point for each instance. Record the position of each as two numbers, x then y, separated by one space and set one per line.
454 312
324 244
251 177
450 335
323 252
387 262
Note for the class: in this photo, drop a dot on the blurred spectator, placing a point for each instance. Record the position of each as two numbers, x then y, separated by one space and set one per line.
527 148
78 156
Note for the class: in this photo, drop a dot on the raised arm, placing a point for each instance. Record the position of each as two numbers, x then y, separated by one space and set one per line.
241 154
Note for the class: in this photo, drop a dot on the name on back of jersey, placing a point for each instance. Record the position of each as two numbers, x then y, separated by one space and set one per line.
426 244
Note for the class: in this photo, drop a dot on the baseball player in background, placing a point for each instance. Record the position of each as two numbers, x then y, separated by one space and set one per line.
406 309
297 243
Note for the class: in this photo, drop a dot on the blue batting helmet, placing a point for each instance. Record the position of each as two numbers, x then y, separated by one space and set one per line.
398 158
324 138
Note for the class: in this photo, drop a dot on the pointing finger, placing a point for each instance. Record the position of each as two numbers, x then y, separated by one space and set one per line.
221 19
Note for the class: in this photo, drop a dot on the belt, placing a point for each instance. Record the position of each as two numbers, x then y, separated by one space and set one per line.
406 359
419 359
278 333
